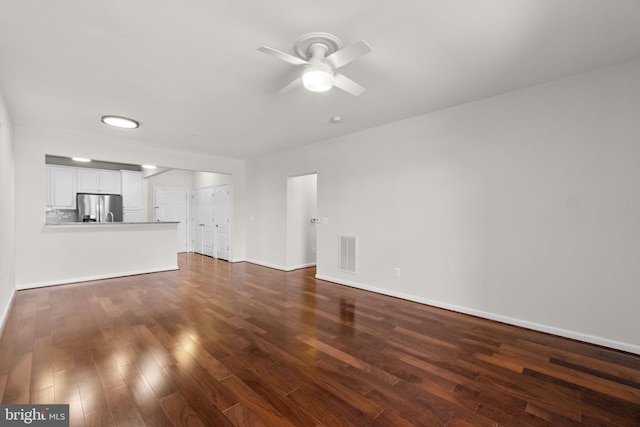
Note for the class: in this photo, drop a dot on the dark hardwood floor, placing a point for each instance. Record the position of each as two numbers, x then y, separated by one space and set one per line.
220 344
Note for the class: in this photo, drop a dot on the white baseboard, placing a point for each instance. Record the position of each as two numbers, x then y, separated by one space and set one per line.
6 310
298 267
605 342
280 267
91 278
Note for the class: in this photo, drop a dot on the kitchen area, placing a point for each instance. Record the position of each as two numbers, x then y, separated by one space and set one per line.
86 191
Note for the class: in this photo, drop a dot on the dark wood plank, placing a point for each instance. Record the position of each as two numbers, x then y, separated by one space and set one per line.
198 399
280 403
240 416
179 411
143 396
16 389
65 389
124 410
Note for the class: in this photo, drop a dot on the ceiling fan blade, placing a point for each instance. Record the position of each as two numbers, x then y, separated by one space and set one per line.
348 54
283 56
293 85
346 84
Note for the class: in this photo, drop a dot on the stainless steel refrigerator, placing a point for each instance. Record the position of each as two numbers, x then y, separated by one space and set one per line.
99 207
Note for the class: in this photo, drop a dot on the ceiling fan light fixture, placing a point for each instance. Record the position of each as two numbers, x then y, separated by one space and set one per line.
317 79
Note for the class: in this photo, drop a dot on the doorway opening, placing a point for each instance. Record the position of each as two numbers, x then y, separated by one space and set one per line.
302 207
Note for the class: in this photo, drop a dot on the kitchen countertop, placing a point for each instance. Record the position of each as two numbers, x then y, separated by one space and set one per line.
101 224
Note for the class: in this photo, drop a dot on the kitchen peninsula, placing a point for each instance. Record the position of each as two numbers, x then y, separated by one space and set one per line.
87 251
105 223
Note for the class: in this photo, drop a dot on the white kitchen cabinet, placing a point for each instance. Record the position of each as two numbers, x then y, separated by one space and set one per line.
132 195
132 190
131 216
60 187
99 181
88 180
110 182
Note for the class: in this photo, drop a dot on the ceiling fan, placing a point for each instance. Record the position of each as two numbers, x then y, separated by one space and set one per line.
321 54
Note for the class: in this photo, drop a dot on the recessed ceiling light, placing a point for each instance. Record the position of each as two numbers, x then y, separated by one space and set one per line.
335 119
148 167
80 159
120 122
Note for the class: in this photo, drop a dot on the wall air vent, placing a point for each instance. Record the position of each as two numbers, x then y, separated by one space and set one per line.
347 253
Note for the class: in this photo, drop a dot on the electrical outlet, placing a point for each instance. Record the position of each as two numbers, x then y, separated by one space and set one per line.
396 271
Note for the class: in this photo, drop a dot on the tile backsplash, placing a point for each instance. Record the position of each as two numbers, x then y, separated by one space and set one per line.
62 215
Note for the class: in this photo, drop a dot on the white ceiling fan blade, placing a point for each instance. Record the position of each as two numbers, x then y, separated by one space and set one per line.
348 54
293 85
283 56
346 84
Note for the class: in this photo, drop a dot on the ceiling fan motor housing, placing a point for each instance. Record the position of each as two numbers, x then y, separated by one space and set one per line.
318 76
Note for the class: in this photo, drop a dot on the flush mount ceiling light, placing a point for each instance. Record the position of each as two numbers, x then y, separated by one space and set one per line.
322 54
120 122
80 159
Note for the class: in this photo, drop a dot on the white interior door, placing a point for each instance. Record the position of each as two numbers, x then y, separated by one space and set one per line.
203 221
170 204
198 223
209 222
222 196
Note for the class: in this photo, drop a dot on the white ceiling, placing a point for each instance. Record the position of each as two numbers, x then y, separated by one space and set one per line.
189 70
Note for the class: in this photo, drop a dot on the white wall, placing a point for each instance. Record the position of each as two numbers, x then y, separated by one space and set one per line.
208 179
524 207
57 253
7 213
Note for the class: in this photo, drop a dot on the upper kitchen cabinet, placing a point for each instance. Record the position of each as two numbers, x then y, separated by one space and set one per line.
61 184
132 190
99 181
